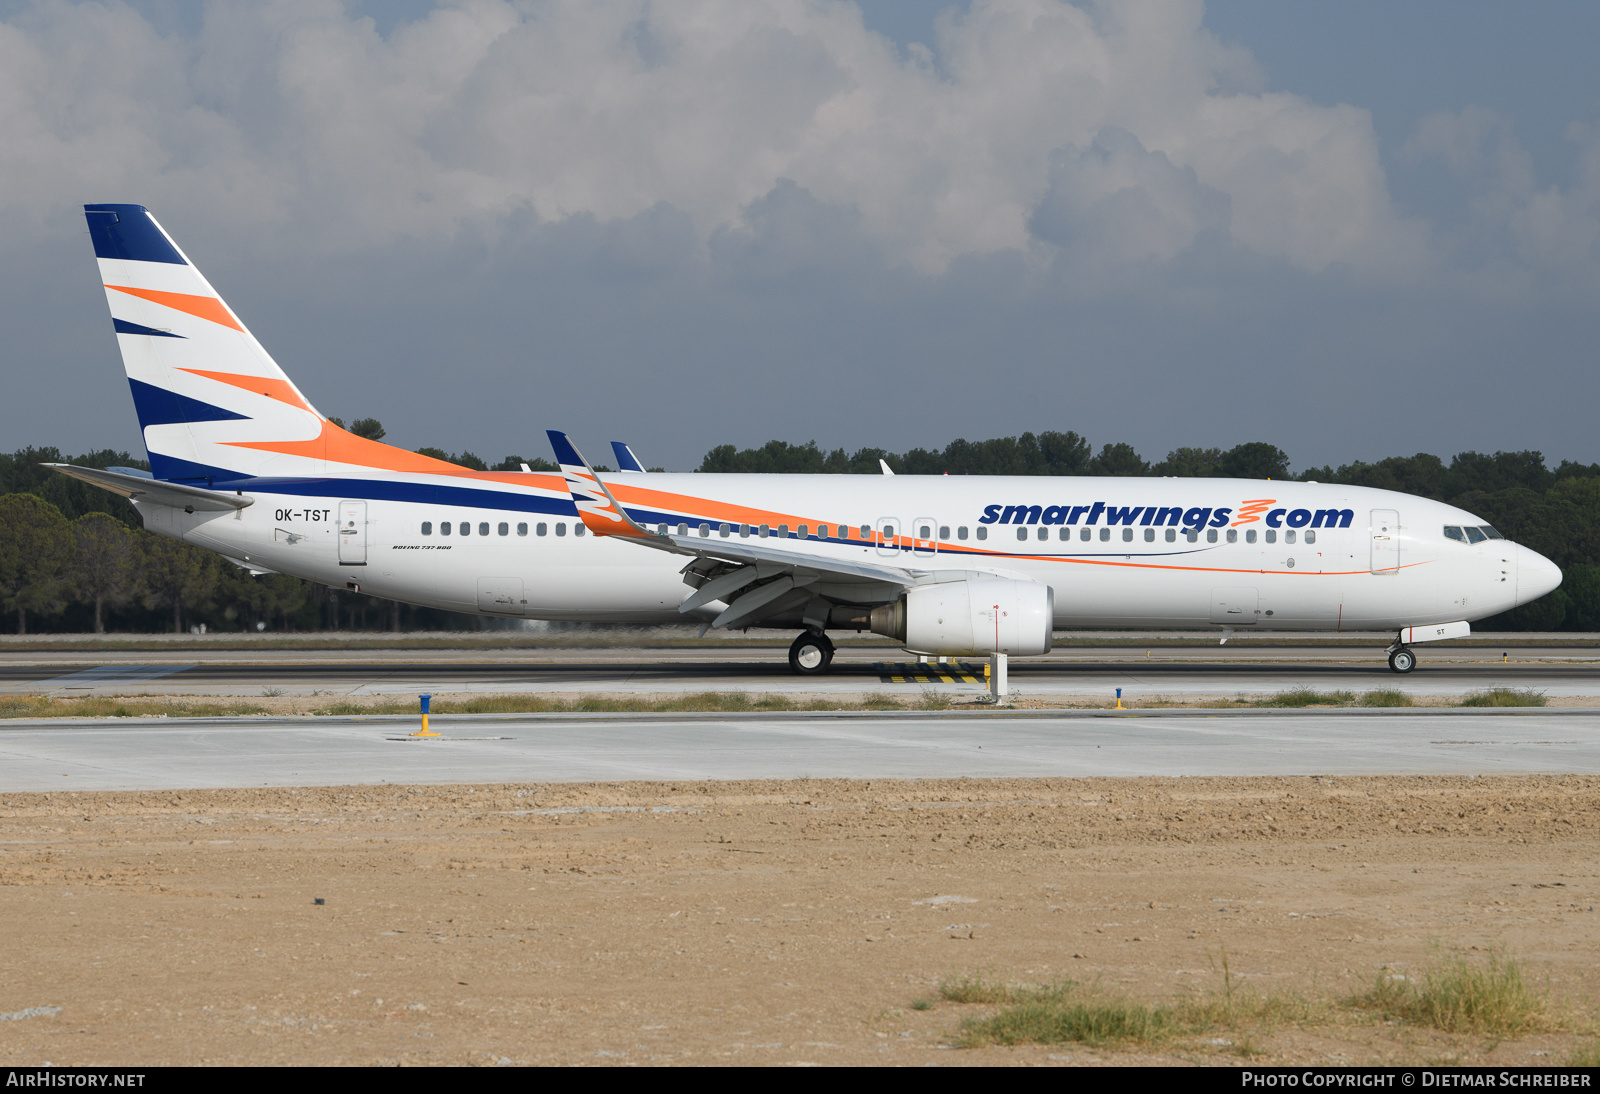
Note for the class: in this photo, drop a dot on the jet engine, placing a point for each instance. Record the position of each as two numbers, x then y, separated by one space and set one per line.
982 615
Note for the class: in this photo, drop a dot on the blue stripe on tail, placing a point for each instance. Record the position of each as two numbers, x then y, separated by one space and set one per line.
158 406
127 232
125 327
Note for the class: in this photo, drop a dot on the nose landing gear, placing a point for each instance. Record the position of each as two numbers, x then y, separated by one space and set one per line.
811 654
1401 659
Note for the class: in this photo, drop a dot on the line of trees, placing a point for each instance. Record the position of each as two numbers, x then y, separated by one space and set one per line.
75 558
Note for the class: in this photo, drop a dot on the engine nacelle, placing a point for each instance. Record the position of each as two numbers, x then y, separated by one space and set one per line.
984 615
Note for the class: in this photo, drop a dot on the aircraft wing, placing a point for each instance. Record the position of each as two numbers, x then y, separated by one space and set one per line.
760 574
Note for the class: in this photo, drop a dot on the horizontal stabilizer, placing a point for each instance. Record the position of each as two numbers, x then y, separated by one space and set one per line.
193 499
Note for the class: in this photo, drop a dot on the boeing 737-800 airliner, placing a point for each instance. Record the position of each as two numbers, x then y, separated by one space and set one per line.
243 464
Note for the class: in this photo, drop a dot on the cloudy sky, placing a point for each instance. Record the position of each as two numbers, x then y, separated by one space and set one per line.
1354 230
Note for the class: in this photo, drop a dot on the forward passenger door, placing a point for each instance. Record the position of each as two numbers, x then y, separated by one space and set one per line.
1385 541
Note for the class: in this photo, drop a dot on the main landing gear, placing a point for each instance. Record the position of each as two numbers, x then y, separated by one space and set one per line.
1401 659
811 654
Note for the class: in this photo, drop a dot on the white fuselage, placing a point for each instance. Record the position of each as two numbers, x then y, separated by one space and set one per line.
1117 552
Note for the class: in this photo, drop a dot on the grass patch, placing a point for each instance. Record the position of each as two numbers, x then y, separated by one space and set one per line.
42 706
1459 996
1089 1022
1306 697
1062 1012
1386 697
1505 697
976 989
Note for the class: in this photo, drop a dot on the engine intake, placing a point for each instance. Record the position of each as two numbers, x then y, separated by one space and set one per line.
986 615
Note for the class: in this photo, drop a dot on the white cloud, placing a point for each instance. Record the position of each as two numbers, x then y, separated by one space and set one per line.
291 114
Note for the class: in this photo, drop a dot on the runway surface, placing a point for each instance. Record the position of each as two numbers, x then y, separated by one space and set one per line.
1071 672
152 754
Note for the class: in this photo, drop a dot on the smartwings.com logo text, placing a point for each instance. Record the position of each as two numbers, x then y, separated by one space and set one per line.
1176 516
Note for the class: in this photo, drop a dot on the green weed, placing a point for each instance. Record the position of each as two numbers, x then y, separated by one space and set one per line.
1306 697
1459 996
1387 697
1089 1022
1505 697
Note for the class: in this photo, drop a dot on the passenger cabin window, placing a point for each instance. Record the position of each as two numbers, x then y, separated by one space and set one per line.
866 531
1149 535
1272 535
444 528
705 530
483 528
504 529
1311 537
1044 533
579 529
522 529
1288 537
1022 533
925 532
1064 534
744 531
944 531
822 531
1105 534
1127 535
1475 535
961 532
1085 534
561 528
1233 535
1249 535
1192 535
983 533
724 530
466 529
805 531
427 527
1211 535
683 529
541 529
1172 535
783 531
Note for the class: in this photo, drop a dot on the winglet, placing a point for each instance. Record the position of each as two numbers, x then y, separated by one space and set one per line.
626 460
601 512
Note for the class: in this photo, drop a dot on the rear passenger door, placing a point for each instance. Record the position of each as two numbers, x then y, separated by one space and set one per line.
352 533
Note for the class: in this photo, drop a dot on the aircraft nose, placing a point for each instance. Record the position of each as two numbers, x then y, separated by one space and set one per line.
1536 575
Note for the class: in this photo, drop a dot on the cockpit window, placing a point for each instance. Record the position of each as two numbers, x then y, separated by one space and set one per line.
1490 532
1475 536
1452 532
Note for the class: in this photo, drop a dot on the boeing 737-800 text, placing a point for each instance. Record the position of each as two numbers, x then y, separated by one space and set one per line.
243 464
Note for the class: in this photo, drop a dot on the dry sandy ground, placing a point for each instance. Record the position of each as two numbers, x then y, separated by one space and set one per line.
769 922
